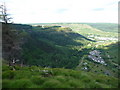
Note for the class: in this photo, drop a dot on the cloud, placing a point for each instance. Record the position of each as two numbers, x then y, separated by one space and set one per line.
61 10
98 9
112 2
36 11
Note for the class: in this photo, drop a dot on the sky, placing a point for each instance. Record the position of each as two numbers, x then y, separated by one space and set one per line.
54 11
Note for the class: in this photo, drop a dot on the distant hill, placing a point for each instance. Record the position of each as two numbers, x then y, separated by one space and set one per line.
107 27
87 29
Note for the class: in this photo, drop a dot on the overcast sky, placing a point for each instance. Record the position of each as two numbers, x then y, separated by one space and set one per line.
52 11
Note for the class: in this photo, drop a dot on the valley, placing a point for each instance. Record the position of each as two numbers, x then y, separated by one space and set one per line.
76 47
52 44
97 39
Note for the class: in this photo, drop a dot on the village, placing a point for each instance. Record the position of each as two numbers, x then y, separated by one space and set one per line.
95 56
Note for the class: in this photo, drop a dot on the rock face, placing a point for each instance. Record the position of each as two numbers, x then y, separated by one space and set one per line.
95 56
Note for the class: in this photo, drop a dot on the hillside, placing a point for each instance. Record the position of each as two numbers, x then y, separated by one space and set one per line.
103 44
108 53
70 49
62 47
107 27
37 77
94 28
50 46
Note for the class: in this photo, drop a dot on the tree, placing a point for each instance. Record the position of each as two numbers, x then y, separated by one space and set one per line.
11 50
10 43
4 16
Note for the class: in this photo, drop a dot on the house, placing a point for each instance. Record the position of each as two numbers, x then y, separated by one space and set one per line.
95 56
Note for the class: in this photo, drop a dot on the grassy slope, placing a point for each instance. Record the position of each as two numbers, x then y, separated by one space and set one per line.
34 77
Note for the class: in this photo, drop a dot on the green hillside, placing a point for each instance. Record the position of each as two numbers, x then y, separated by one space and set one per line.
36 77
107 27
109 53
111 29
59 53
51 46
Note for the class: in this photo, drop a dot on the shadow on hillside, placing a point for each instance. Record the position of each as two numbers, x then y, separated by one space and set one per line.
62 38
47 47
81 36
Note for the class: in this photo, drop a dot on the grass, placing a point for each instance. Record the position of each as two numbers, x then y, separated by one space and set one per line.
60 78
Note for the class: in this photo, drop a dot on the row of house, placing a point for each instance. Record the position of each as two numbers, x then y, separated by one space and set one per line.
95 56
